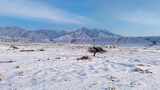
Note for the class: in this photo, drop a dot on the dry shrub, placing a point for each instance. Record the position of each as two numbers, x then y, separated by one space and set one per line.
95 50
110 88
27 50
111 46
13 47
141 70
1 77
41 49
58 58
17 67
7 61
83 58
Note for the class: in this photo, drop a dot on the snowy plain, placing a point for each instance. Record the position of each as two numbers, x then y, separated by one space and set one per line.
55 67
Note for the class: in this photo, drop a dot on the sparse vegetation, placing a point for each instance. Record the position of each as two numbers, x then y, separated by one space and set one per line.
68 63
13 47
83 58
41 49
96 50
1 77
7 61
141 70
27 50
111 88
17 67
20 73
58 58
111 46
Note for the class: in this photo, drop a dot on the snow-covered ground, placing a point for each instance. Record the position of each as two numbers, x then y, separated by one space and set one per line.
57 68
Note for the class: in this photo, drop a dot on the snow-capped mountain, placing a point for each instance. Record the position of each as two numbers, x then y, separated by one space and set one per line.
85 35
82 35
19 34
139 41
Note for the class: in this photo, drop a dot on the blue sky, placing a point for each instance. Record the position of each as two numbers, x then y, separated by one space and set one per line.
125 17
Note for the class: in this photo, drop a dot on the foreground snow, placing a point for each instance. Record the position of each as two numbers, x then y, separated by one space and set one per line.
57 68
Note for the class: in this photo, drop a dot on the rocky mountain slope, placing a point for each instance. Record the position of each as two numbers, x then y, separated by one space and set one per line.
80 36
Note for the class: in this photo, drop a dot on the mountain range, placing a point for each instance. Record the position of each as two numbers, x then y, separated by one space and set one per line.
80 36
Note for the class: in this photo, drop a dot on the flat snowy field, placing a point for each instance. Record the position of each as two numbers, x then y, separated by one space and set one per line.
55 67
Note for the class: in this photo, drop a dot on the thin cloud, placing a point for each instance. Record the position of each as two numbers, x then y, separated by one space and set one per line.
30 9
141 17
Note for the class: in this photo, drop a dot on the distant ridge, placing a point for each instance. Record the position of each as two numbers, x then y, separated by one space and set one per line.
80 36
85 35
43 35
